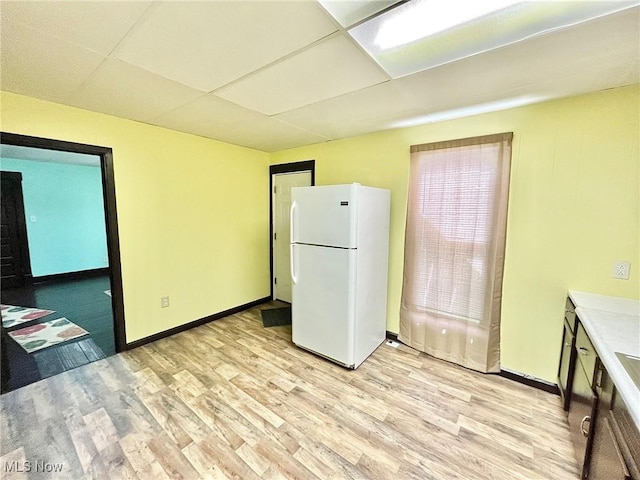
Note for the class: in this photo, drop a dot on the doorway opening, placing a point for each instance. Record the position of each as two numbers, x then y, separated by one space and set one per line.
282 177
62 296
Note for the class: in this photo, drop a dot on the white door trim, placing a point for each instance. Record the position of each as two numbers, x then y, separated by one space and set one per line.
295 167
281 201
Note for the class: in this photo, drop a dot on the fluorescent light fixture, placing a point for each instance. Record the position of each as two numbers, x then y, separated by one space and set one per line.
422 18
349 12
423 34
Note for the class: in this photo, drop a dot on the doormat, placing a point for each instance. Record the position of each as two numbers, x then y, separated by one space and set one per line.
275 317
47 334
13 315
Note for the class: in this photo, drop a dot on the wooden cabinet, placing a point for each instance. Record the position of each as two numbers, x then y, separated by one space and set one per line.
583 401
567 355
607 460
627 435
605 437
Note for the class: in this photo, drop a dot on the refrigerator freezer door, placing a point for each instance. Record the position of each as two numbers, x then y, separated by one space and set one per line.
324 215
323 306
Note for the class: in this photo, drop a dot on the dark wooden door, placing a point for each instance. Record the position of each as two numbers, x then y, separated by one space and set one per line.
15 267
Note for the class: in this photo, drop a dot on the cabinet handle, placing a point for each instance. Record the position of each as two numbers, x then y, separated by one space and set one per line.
567 345
599 375
586 418
583 351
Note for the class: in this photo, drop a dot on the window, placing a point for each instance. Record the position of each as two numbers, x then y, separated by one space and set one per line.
454 249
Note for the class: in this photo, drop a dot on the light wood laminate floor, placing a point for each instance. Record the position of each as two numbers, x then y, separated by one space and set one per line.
232 399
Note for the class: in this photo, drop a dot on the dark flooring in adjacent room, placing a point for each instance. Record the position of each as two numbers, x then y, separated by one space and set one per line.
83 302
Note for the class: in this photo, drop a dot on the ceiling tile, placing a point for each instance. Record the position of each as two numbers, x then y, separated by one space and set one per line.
41 66
420 35
213 117
97 25
538 68
375 107
146 95
330 68
208 44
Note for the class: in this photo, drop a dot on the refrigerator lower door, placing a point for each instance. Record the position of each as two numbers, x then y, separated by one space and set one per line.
323 301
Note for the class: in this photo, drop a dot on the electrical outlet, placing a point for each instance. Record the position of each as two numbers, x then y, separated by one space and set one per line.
164 302
621 270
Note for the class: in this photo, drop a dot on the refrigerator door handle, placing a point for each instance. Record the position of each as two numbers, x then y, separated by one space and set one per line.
294 279
291 216
291 230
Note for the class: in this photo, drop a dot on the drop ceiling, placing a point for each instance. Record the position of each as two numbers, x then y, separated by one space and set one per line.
272 75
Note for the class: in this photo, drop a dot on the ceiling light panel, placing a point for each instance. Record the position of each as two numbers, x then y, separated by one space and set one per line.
206 45
423 34
348 13
572 59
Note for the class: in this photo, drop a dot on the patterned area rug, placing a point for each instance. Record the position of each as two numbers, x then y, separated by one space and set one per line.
47 334
13 315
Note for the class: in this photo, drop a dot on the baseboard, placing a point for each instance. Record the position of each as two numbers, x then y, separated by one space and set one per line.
79 275
195 323
530 381
515 376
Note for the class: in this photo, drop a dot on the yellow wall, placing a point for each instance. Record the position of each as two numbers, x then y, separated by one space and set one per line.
193 213
573 211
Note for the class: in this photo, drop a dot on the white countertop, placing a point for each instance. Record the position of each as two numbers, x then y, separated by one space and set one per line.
613 325
625 306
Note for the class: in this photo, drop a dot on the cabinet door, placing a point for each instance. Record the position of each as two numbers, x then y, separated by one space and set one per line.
567 361
607 462
581 416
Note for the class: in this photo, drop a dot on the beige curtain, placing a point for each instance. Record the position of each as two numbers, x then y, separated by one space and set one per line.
454 249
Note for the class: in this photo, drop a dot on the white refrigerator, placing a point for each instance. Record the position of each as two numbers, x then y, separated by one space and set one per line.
339 265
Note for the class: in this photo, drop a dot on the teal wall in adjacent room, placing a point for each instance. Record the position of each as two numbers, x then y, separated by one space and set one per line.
64 214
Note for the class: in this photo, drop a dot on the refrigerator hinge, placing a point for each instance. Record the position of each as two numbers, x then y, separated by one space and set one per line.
275 281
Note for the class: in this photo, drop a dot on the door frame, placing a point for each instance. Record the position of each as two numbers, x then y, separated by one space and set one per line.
294 167
110 211
23 246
